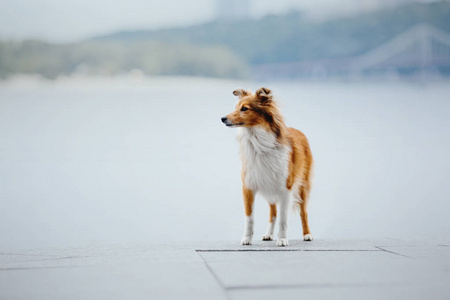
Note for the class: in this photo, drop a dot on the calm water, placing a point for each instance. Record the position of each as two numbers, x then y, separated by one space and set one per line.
124 161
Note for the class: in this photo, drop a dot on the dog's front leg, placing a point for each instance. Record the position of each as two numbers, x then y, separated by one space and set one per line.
248 205
284 204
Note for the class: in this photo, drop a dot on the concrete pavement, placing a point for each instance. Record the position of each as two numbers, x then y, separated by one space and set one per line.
323 269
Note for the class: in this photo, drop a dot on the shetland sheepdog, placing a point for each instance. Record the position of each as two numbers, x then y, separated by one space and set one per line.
276 163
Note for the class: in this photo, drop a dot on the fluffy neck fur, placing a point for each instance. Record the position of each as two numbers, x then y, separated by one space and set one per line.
258 139
264 160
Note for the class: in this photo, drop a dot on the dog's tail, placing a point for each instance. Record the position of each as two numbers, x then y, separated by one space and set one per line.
303 189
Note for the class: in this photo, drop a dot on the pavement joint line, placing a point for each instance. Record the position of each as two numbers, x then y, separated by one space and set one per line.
20 254
215 276
56 258
36 268
303 286
291 250
392 252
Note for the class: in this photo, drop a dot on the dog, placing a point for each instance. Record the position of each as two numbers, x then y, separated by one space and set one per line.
276 163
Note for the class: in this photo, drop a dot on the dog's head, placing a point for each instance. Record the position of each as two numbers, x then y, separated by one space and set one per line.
252 109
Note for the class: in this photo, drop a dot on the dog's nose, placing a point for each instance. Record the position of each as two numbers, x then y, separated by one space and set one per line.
224 119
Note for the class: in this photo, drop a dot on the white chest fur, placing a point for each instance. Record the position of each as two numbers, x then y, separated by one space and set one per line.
264 160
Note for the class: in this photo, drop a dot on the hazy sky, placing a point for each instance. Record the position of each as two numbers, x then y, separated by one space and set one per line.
69 20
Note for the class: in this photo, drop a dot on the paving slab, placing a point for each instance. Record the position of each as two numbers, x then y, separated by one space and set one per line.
300 245
99 256
136 272
304 269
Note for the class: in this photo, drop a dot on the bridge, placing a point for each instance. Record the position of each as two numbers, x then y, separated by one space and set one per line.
423 49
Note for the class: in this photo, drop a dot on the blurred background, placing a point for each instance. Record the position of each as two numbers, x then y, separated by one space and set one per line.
110 113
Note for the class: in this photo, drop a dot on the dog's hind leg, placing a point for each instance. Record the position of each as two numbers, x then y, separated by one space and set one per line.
304 194
272 219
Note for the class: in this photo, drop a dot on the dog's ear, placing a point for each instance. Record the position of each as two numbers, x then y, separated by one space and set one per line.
264 94
241 93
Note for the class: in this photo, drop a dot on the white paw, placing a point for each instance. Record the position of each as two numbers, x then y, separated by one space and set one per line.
308 237
282 242
246 240
267 237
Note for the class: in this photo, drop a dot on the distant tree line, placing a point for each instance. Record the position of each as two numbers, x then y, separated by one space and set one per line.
115 57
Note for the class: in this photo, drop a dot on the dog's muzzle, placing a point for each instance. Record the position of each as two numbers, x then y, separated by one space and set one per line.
228 123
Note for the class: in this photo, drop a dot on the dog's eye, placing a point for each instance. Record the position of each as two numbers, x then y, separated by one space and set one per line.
244 108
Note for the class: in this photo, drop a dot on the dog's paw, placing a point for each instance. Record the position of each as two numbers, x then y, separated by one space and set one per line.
246 240
267 237
308 237
282 242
